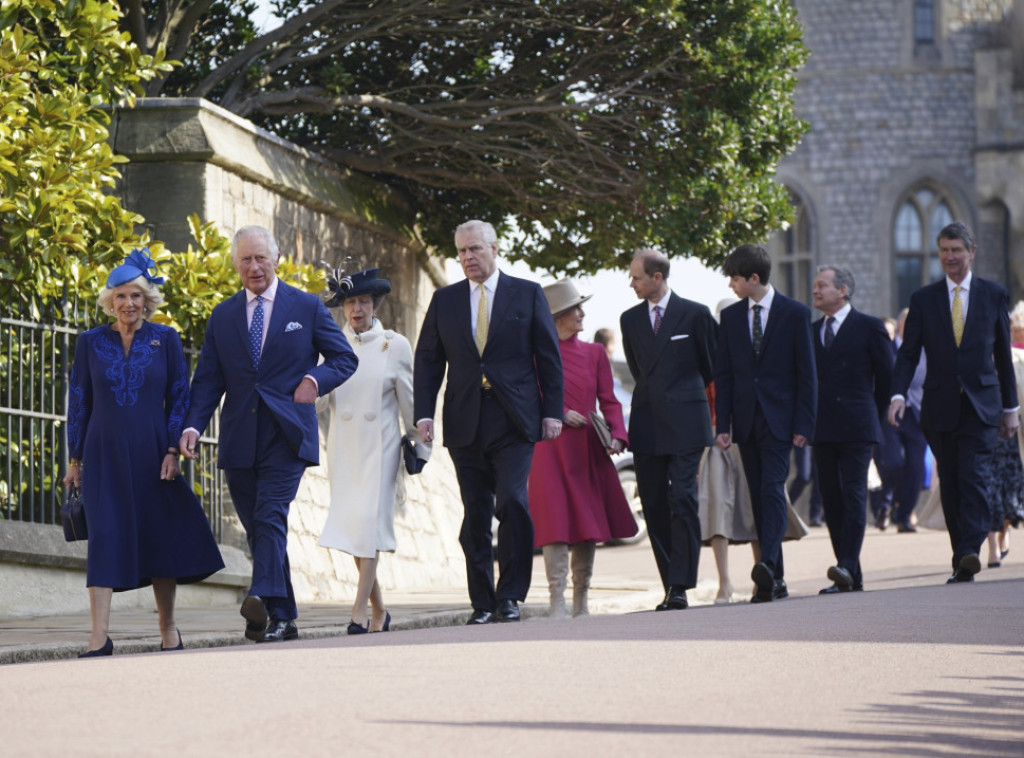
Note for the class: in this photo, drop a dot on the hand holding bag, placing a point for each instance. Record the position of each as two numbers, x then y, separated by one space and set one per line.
72 516
413 463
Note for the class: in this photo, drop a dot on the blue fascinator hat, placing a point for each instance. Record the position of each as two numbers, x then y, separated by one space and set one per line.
135 265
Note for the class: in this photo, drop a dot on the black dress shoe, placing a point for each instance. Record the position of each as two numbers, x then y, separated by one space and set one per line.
968 566
835 589
254 611
762 596
779 590
280 630
840 576
763 578
107 649
675 599
508 610
481 617
906 528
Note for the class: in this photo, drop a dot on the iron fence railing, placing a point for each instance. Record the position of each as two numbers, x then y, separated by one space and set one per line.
35 358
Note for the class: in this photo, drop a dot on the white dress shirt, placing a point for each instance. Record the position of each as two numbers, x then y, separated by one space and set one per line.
766 305
839 317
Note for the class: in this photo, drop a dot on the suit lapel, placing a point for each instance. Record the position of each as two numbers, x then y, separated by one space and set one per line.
778 310
464 314
942 306
236 318
819 349
279 316
503 295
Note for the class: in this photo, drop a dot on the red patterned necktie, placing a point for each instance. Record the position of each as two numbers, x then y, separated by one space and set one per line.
657 318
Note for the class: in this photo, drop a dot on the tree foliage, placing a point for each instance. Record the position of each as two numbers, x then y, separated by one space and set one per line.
591 126
61 65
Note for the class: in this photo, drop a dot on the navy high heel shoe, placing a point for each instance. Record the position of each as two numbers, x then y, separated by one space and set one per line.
180 646
107 649
354 628
387 622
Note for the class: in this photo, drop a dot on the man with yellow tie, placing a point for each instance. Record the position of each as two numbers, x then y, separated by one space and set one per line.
962 323
495 336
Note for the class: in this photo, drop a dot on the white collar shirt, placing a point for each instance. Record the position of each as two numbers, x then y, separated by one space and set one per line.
766 306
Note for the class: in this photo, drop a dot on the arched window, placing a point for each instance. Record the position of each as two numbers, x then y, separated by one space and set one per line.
792 256
921 215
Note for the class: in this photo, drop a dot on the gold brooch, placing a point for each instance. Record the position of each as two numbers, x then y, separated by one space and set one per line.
385 346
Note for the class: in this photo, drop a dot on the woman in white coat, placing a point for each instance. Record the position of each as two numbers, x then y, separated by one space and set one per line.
364 442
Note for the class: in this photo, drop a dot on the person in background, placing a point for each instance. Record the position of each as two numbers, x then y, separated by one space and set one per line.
1006 482
367 414
765 399
127 397
575 497
853 356
970 396
670 348
606 338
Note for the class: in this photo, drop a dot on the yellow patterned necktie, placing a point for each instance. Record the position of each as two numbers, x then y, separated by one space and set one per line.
958 316
481 321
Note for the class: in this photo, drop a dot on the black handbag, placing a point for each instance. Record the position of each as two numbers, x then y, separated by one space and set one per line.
72 516
413 464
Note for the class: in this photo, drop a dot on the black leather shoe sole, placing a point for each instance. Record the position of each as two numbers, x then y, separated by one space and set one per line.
254 611
840 576
762 577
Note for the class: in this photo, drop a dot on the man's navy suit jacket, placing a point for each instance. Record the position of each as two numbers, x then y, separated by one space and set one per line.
670 410
982 366
782 380
300 331
521 360
854 377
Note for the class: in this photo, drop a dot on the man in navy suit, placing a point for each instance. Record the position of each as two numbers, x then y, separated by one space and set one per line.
260 353
853 356
765 398
670 347
495 336
970 393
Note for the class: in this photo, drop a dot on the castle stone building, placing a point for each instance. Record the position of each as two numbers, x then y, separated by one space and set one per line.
915 111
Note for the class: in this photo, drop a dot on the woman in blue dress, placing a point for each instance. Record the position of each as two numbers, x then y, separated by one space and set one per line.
127 398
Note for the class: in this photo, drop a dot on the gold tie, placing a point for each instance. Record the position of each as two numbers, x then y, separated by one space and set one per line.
481 321
958 316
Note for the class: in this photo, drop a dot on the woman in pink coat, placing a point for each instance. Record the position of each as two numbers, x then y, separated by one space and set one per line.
575 497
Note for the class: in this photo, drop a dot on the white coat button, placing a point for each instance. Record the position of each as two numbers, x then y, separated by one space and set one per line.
346 415
369 415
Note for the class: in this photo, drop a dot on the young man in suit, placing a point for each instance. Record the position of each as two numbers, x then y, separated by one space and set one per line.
495 336
853 356
261 353
766 396
970 393
670 347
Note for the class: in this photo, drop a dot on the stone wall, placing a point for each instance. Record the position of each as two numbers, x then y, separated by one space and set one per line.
886 116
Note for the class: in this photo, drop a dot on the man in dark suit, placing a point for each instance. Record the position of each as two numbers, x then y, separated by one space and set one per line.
495 336
853 356
970 393
670 349
260 353
765 398
911 441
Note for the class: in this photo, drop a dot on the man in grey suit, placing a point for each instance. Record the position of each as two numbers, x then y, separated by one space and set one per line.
670 348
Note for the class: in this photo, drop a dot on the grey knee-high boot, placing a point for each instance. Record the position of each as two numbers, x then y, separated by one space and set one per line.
556 565
582 570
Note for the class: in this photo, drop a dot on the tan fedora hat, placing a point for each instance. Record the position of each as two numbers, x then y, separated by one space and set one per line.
563 295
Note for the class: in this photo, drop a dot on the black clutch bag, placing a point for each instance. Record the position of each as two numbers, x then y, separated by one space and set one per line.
413 464
72 516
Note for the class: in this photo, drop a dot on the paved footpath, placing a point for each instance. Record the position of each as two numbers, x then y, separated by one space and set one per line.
911 667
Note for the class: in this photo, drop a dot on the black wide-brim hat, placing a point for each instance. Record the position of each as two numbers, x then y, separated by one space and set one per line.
359 283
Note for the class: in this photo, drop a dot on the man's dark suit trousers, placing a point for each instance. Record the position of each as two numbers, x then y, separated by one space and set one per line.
493 474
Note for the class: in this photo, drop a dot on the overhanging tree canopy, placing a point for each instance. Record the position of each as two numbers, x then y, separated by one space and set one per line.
594 125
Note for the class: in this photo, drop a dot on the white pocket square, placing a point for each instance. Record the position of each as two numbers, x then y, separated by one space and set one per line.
679 336
292 326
